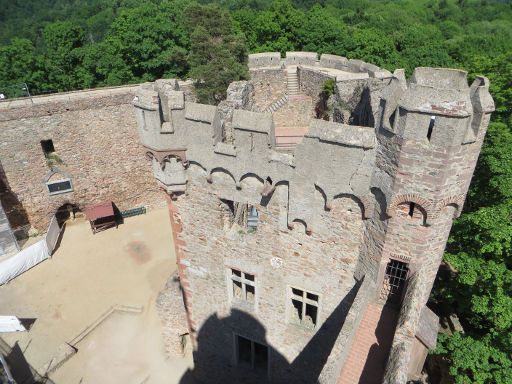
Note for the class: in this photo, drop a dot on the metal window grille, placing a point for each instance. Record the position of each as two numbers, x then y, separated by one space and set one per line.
394 279
244 286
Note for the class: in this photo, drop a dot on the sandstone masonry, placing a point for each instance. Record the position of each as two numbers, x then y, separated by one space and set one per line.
93 134
360 211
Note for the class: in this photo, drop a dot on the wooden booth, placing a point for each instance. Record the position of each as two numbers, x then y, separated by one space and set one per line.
101 216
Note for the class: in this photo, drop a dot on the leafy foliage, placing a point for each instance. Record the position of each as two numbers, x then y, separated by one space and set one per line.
217 54
71 44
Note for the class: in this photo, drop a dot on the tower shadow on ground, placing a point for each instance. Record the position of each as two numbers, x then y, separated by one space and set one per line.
216 361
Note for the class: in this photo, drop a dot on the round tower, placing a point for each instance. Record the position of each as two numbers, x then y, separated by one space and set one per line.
430 133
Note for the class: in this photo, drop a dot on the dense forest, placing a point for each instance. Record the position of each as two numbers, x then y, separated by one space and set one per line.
60 45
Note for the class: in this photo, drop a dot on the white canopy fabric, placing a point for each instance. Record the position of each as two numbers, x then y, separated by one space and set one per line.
23 260
11 324
30 256
52 235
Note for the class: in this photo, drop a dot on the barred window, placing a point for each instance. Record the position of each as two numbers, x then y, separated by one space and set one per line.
394 280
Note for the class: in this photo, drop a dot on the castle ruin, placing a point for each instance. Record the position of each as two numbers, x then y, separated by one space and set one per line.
309 209
283 250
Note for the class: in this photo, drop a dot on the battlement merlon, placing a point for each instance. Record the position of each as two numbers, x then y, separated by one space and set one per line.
441 96
334 158
340 66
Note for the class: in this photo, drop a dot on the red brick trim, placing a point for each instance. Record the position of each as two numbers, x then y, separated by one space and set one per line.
423 203
179 246
457 201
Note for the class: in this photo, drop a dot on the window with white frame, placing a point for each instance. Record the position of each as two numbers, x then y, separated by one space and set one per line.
59 186
304 307
244 286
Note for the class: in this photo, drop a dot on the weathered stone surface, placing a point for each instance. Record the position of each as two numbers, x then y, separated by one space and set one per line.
387 189
95 138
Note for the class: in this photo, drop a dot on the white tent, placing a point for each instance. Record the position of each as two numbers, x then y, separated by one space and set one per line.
30 256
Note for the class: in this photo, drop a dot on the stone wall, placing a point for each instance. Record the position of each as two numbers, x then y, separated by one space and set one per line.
95 139
8 244
311 81
389 191
334 364
319 263
269 86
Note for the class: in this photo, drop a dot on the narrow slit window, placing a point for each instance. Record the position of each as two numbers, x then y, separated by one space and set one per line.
431 127
304 308
47 147
411 209
243 286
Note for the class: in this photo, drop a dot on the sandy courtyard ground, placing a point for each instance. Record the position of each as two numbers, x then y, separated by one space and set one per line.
87 275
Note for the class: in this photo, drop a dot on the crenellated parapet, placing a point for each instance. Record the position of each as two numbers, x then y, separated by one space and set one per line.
405 161
185 140
320 63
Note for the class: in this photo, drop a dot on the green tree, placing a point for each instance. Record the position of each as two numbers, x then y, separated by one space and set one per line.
217 52
62 43
146 43
18 64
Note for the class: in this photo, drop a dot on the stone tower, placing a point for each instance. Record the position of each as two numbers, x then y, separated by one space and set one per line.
430 133
282 255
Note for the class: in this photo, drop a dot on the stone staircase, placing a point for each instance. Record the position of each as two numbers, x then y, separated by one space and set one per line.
293 81
276 104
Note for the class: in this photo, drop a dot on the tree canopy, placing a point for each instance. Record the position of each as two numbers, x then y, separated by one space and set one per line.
75 44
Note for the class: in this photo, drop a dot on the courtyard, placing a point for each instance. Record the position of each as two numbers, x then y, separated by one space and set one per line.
91 307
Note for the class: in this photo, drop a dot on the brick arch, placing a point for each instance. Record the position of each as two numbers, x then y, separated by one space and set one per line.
455 201
425 205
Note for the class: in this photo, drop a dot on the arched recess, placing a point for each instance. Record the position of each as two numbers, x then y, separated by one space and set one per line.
301 223
419 202
221 175
380 202
355 199
455 201
411 211
251 186
450 210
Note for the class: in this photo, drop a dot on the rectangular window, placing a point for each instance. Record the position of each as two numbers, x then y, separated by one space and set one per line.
244 286
394 280
251 354
59 186
304 308
252 218
47 147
